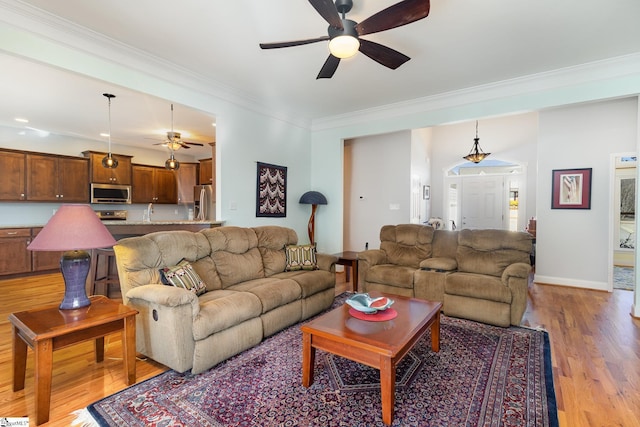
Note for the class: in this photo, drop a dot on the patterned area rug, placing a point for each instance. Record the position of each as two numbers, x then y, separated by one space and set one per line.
482 376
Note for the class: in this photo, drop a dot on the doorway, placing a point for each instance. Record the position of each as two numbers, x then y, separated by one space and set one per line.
623 236
485 196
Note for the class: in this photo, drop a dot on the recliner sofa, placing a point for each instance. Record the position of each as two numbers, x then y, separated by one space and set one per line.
480 275
248 297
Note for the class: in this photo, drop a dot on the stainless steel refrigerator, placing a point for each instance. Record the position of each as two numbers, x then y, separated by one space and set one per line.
204 207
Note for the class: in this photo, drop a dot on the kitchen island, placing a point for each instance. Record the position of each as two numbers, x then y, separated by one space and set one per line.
122 229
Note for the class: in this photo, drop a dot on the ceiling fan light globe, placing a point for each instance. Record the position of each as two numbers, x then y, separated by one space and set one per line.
344 46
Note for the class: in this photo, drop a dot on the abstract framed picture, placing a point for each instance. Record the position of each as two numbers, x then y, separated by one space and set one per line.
271 191
571 189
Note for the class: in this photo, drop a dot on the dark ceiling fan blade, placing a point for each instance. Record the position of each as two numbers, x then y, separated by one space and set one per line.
399 14
382 54
193 143
292 43
327 9
330 66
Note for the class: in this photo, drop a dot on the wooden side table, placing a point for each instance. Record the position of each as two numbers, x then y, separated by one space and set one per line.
350 260
46 329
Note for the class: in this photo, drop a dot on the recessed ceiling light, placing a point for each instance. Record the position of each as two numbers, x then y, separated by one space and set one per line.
104 134
21 120
214 124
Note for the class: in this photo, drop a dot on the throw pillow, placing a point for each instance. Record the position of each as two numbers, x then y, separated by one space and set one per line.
302 257
183 276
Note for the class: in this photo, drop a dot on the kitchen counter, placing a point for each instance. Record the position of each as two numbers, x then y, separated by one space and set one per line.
122 229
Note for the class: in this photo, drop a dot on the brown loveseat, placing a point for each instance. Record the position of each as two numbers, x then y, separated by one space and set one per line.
248 297
480 275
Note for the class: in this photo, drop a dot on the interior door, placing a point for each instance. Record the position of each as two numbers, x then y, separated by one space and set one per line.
482 202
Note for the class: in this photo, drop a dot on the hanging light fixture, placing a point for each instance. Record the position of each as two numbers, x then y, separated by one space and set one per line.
476 155
109 161
171 163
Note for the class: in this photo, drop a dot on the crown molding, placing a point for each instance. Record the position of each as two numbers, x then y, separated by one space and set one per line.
596 71
57 30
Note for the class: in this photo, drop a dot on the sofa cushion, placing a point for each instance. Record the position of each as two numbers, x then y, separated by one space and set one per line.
491 251
477 286
183 276
389 274
271 242
222 309
272 292
439 264
235 268
311 282
406 244
302 257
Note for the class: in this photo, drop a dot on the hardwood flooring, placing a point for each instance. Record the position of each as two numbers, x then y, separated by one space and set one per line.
595 346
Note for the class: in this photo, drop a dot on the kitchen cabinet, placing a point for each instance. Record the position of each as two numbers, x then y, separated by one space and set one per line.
187 179
100 174
44 260
57 178
206 172
153 184
13 167
14 256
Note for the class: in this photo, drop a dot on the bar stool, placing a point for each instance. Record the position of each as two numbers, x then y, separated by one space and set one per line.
103 277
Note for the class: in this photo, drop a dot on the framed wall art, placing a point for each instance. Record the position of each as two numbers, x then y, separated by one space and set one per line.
271 191
571 189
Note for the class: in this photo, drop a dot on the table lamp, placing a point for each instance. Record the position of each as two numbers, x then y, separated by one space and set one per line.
313 198
73 229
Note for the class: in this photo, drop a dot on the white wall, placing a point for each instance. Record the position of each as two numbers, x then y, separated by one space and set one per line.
573 245
421 142
379 173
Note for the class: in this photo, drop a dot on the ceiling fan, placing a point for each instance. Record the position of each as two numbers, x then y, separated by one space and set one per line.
344 34
174 140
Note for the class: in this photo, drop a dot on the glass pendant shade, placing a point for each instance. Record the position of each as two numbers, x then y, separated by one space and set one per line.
476 155
109 161
172 164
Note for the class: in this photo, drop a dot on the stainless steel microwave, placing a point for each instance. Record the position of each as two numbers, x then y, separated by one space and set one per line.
113 194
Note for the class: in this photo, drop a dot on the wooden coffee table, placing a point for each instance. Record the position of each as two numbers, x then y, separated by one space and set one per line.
370 343
47 329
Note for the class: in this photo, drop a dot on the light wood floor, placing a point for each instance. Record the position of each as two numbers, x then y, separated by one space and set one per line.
595 351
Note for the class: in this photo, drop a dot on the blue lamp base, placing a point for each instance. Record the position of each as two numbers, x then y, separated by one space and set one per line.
75 268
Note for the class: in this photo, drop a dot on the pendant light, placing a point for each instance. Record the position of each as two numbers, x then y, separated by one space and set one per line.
476 155
109 161
171 163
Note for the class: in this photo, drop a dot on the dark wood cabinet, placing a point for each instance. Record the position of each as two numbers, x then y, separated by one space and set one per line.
100 174
57 179
206 172
13 167
14 256
187 179
153 184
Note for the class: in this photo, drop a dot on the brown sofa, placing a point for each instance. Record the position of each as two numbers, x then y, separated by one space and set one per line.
480 275
248 297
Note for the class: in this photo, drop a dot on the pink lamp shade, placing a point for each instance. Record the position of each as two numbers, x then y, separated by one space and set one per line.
73 229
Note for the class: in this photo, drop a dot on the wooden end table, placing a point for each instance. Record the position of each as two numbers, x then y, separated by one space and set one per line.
366 342
350 260
47 329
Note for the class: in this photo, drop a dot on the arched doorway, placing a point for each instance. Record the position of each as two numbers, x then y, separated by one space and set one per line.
489 194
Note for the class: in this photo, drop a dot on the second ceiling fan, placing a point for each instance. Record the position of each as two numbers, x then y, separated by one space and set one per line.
174 140
344 34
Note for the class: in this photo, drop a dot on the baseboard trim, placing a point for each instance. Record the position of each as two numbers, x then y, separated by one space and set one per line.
574 283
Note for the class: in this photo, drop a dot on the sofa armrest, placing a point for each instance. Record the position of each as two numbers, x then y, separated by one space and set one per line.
372 257
516 277
166 296
326 262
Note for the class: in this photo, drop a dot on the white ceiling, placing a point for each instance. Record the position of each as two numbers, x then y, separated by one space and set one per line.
461 44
